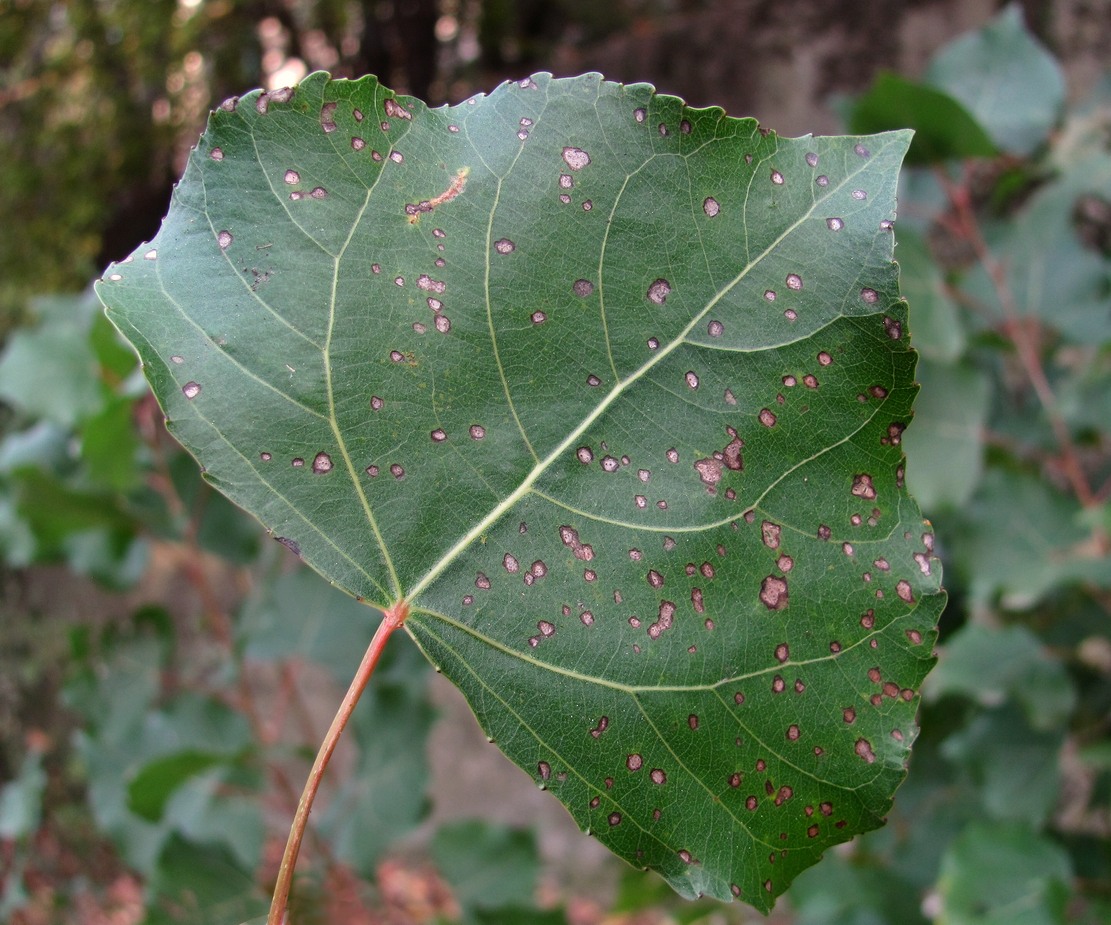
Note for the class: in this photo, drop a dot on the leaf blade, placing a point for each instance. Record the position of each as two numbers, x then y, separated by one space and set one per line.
611 392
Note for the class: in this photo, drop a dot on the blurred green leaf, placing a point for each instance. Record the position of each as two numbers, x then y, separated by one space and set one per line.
944 446
943 129
195 721
487 866
202 884
518 916
115 357
994 666
51 372
219 807
934 806
1020 538
1014 767
296 615
1097 755
939 333
220 527
110 447
1003 874
1084 397
88 530
43 444
146 760
149 790
1010 84
847 891
21 799
1051 275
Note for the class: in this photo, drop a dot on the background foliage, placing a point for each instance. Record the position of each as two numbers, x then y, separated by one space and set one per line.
151 750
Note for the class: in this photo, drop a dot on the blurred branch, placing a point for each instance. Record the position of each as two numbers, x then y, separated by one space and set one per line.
966 223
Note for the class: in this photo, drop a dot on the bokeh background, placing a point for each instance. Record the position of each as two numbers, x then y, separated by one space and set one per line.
163 669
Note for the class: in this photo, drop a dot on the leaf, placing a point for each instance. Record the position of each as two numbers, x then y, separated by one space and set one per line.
938 326
943 128
51 372
21 799
1010 84
1052 275
994 666
487 866
149 790
1014 769
610 392
298 616
843 892
1048 544
202 884
946 442
1004 874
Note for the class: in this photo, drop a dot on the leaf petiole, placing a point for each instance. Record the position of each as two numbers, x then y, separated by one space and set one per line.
392 618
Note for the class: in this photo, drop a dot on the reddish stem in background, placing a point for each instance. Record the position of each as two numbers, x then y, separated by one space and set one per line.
393 617
967 226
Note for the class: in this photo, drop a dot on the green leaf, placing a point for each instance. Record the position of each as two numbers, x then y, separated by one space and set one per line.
993 666
110 446
945 446
1009 83
202 885
51 372
43 444
519 916
1013 767
1051 273
610 392
1003 874
149 790
21 799
938 328
221 527
86 529
299 616
943 128
841 892
487 866
1048 545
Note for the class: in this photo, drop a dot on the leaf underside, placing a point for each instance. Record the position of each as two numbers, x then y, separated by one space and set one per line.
610 391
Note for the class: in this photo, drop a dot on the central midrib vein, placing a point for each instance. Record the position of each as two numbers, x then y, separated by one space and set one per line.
614 394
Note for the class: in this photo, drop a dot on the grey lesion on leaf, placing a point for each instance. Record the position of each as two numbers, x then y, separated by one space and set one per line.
712 469
396 111
774 593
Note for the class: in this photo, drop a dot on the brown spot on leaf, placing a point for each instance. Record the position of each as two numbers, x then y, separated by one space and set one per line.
731 455
709 471
863 486
773 592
